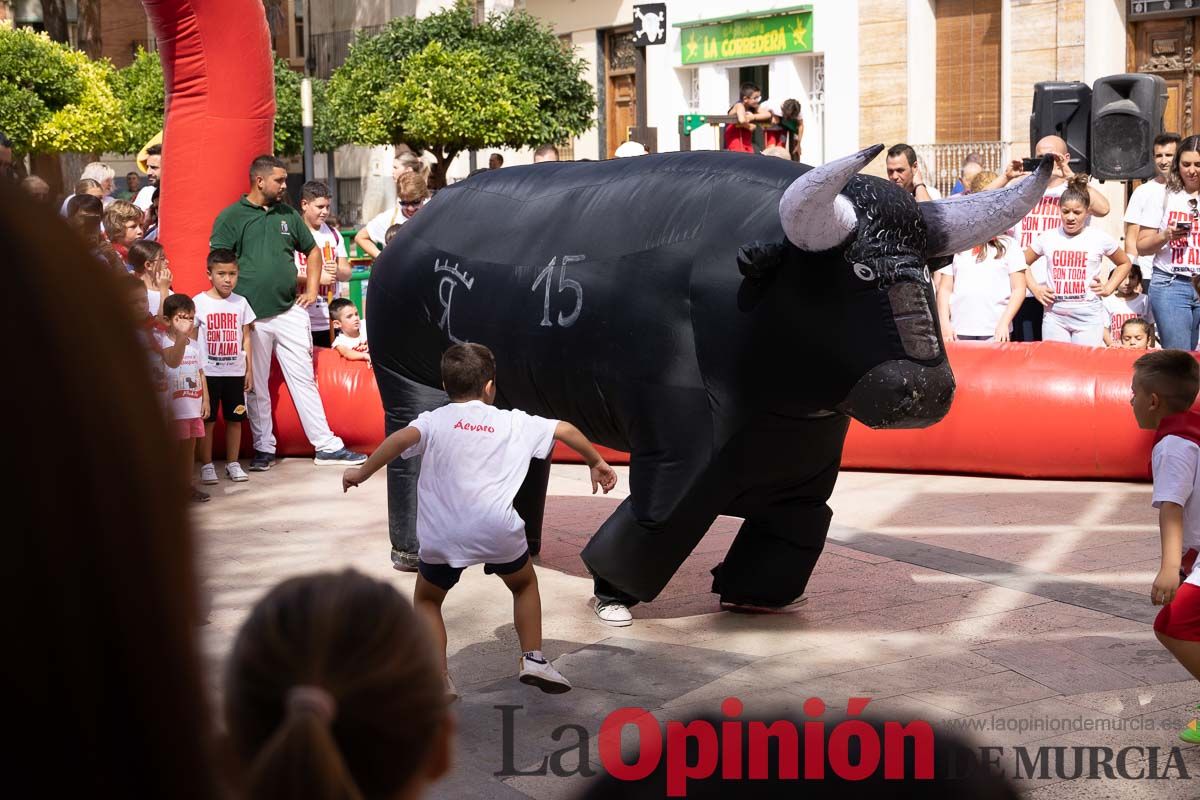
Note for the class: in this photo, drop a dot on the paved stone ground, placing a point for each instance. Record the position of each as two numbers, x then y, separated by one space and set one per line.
1016 610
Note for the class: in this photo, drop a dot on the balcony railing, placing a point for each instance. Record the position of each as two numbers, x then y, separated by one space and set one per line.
941 163
328 51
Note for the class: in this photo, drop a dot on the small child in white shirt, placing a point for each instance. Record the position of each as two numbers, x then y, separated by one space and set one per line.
1165 384
185 383
1127 303
351 339
224 320
475 458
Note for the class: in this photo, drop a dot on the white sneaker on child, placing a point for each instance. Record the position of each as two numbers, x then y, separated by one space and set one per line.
543 675
235 472
208 474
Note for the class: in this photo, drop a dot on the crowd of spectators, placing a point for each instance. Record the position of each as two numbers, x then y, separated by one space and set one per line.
1046 279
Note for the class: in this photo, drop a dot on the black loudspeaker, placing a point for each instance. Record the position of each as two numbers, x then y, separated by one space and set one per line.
1127 112
1063 109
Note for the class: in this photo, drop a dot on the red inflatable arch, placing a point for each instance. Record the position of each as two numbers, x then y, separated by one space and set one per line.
1026 410
220 87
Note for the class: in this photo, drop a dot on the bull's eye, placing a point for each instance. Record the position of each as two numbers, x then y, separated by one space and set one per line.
863 272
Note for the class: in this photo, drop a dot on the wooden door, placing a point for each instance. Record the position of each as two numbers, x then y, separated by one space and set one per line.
1167 47
621 95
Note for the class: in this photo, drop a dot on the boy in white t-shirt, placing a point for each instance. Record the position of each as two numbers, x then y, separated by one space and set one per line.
1165 384
475 457
1069 285
351 339
186 389
314 208
223 323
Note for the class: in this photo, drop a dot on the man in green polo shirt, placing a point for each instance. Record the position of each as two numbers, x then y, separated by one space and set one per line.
265 233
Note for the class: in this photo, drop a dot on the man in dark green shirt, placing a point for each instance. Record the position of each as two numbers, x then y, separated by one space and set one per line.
265 233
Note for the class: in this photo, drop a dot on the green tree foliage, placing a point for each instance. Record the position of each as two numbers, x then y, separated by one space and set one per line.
445 84
54 99
140 88
289 129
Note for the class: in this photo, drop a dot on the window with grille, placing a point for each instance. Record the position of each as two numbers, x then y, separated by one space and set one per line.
968 70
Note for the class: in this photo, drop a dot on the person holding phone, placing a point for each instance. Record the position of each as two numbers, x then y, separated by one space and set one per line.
1043 217
1169 233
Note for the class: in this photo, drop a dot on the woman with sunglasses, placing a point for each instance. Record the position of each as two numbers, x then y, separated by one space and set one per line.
1170 233
412 191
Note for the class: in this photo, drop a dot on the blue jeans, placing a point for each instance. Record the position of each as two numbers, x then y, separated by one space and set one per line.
1176 310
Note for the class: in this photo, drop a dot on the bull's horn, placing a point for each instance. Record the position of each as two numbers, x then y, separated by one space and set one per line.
960 223
814 214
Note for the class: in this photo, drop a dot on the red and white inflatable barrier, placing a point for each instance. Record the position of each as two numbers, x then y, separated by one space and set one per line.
1041 410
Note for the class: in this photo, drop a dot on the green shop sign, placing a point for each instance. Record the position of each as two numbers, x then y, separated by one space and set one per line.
747 36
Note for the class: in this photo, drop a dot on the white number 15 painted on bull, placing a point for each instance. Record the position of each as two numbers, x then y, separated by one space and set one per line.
563 283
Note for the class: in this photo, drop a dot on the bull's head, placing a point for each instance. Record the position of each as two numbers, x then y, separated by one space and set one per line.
878 234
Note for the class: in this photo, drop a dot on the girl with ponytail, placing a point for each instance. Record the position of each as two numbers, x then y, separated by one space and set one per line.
1070 284
333 692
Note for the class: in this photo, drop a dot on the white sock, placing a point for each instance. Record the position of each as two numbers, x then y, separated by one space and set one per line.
535 655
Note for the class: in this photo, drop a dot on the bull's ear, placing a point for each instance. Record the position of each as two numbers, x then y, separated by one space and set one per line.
757 260
814 214
959 223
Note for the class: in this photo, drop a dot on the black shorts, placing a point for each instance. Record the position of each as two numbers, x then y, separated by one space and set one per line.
445 576
227 392
322 339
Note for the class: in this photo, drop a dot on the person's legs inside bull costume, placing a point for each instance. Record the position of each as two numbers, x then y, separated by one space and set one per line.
667 306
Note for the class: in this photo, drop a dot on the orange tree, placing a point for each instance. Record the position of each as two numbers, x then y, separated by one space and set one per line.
446 84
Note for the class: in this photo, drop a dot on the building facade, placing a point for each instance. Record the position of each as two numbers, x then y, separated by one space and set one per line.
707 49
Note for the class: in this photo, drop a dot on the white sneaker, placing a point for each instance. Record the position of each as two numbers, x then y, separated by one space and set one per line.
235 472
614 614
543 675
208 474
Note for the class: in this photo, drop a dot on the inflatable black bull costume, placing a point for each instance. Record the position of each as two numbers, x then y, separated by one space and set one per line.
720 316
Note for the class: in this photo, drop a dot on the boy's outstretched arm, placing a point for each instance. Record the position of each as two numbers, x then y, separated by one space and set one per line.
392 447
602 474
1170 526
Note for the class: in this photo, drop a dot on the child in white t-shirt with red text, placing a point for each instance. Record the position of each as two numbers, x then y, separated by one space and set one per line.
223 323
351 339
1165 384
475 457
186 389
1127 303
1069 284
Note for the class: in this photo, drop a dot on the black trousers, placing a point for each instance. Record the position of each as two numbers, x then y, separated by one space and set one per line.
1027 324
